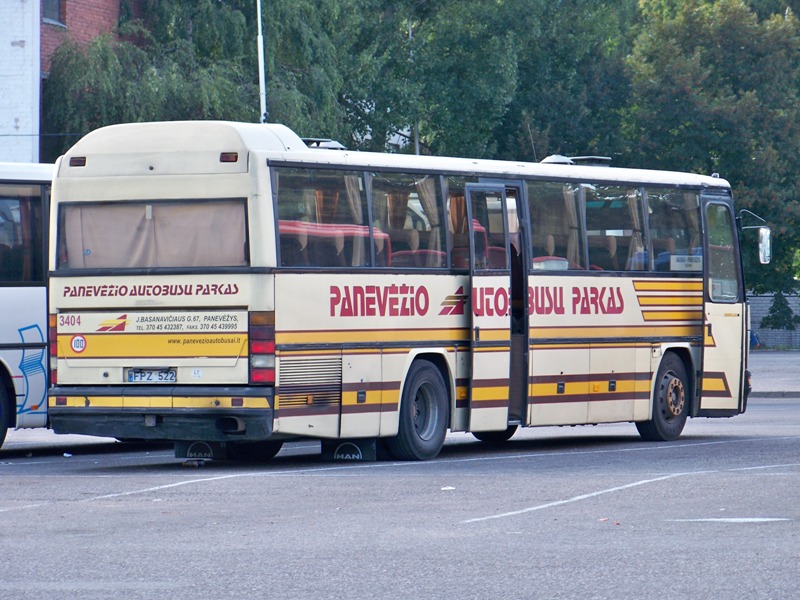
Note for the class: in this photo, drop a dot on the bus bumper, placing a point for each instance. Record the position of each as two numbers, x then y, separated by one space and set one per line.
159 414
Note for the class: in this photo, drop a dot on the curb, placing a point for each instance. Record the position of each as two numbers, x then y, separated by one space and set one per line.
784 394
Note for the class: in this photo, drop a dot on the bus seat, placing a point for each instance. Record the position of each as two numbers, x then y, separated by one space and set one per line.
418 258
327 250
404 258
460 258
638 262
498 258
663 249
293 250
545 245
430 258
404 239
383 256
604 257
550 263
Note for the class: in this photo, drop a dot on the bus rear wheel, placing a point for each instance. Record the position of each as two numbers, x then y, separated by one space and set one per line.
254 451
496 437
423 415
670 402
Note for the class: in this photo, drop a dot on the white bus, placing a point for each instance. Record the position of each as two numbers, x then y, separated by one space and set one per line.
24 200
226 287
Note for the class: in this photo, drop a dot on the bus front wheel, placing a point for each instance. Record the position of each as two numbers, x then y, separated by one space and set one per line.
670 402
423 415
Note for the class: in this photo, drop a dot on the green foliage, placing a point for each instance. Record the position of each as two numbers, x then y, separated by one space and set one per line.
465 59
692 85
780 315
715 89
572 82
190 72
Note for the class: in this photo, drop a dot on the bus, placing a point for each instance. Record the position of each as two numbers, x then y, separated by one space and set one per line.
24 218
226 287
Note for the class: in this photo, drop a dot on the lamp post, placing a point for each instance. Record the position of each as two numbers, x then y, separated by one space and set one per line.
262 87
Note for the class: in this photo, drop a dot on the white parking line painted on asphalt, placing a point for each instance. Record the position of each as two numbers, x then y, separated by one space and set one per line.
342 468
731 520
514 513
620 488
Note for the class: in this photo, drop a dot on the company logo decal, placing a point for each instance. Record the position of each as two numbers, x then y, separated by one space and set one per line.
348 451
200 450
117 324
455 304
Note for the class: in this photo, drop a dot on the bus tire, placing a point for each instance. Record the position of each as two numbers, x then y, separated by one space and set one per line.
423 415
670 402
5 412
254 451
496 437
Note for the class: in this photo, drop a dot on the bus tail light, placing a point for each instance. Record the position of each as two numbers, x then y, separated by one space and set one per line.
52 344
262 347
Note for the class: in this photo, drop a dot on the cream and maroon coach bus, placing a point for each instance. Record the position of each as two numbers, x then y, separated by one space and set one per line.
226 287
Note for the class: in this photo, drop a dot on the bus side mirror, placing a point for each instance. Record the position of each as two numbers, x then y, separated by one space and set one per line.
764 245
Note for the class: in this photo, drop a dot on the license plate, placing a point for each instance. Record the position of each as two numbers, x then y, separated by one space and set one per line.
152 376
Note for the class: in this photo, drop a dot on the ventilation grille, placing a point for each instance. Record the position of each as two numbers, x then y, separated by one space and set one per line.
310 381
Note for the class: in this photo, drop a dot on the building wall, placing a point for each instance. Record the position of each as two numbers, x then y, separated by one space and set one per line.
82 21
19 80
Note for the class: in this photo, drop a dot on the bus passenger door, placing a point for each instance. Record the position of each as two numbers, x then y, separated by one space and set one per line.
724 315
491 306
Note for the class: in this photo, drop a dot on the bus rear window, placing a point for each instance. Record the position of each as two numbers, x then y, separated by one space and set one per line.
135 235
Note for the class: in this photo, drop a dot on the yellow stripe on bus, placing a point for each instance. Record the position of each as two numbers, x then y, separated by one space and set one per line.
660 285
672 315
573 388
408 336
372 397
156 345
670 300
135 402
485 394
588 333
714 384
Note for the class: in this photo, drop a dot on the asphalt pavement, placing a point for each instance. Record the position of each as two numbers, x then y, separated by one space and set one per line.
774 375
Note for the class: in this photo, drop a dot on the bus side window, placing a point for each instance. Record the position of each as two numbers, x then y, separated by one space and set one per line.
555 226
408 209
21 235
614 230
674 229
322 218
459 230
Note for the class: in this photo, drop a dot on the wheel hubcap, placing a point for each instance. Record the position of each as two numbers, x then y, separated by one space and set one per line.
674 395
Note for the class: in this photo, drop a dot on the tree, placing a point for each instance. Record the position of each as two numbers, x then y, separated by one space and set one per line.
715 89
572 81
192 71
780 315
465 70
